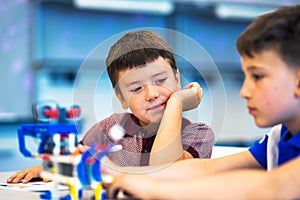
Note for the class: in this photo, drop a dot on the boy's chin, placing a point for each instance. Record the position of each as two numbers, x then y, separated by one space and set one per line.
263 124
156 119
152 122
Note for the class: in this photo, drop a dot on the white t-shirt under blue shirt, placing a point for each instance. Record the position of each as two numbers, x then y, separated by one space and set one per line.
277 147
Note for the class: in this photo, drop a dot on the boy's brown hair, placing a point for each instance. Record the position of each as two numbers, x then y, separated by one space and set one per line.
136 49
278 30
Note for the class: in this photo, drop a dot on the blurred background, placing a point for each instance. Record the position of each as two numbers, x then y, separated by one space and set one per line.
43 43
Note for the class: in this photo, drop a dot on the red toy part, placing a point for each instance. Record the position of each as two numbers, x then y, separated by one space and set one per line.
51 113
74 112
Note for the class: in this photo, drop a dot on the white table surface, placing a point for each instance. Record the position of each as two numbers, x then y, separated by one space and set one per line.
15 194
9 194
220 151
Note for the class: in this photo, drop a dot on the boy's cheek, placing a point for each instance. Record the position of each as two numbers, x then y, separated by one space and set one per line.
177 88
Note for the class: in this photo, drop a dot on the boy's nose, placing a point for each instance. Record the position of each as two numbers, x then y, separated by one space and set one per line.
150 92
245 92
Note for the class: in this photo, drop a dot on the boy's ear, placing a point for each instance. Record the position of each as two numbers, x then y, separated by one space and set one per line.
121 99
297 84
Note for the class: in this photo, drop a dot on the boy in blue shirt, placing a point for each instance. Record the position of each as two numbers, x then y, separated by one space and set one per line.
270 59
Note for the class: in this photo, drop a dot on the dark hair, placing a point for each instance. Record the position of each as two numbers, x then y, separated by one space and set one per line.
136 49
278 30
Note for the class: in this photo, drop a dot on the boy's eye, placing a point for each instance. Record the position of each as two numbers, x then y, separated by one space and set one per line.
160 81
136 89
257 76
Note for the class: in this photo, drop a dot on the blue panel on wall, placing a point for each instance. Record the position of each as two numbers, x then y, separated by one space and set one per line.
16 81
66 32
217 37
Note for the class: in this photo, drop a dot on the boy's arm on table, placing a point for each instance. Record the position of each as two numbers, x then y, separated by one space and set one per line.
167 146
240 183
185 168
280 183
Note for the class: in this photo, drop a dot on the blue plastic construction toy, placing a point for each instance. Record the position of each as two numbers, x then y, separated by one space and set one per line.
62 163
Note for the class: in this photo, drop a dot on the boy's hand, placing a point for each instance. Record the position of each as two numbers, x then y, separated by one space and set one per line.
25 175
80 149
121 187
190 96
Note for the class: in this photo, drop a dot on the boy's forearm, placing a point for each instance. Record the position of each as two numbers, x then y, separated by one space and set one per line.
232 184
202 167
240 184
235 185
255 183
167 146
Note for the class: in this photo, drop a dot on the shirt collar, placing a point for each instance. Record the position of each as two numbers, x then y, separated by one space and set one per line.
289 138
131 125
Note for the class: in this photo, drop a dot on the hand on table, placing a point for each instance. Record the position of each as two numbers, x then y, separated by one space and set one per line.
35 172
130 186
25 175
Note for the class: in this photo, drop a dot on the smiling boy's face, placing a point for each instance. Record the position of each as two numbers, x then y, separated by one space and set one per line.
145 90
270 90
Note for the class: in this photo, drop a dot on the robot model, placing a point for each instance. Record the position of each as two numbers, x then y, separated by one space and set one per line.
62 163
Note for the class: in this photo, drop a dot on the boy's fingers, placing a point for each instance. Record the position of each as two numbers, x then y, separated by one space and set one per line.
13 178
197 90
82 148
27 178
17 179
9 180
46 180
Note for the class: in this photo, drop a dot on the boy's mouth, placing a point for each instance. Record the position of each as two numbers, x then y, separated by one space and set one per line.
251 110
157 107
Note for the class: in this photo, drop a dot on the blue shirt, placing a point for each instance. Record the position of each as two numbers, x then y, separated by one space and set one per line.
288 147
